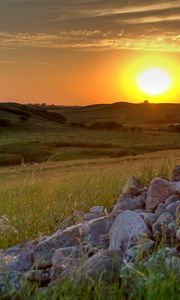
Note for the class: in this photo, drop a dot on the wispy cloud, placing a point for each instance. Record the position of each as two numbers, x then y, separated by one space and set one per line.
118 10
91 40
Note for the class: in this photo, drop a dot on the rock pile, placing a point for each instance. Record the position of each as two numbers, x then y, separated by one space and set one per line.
104 240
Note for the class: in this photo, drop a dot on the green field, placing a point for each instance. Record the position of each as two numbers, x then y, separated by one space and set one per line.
28 134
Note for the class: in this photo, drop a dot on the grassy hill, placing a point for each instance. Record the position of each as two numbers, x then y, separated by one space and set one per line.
125 113
32 133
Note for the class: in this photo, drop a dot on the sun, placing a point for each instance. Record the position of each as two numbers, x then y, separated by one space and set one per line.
154 81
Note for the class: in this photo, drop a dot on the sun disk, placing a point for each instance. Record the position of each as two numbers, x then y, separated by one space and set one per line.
154 81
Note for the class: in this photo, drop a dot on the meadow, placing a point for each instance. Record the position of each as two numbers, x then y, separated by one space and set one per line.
51 170
33 134
36 200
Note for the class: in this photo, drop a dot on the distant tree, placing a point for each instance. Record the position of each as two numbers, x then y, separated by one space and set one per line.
5 123
24 118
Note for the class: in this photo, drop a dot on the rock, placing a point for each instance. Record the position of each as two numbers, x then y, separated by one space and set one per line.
125 202
171 208
159 191
132 187
105 265
160 209
164 228
176 174
33 276
126 229
9 284
157 259
94 233
138 252
64 260
148 218
165 218
178 215
173 264
97 210
177 188
73 219
178 235
89 216
172 199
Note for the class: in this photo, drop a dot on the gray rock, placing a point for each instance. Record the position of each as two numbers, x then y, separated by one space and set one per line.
173 264
105 265
9 284
159 191
97 210
157 259
133 187
94 233
33 276
171 208
126 229
89 216
178 235
160 209
139 251
126 202
172 199
64 261
148 218
165 218
176 174
178 215
177 188
64 256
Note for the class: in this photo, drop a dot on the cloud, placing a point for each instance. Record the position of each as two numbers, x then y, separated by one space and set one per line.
92 40
91 24
118 10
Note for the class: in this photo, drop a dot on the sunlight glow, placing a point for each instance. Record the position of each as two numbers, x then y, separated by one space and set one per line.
154 81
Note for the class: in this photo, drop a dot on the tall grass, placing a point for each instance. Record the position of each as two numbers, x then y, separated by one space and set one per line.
37 199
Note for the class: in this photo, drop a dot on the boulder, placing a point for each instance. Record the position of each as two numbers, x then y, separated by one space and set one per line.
176 174
165 219
139 251
97 210
89 216
172 199
176 188
9 284
105 265
133 187
171 208
127 202
94 233
178 235
126 229
178 215
64 260
148 218
160 209
159 191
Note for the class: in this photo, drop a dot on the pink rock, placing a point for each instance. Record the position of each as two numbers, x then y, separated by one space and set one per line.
159 191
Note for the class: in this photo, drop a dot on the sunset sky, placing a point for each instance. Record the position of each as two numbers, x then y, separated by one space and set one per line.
87 51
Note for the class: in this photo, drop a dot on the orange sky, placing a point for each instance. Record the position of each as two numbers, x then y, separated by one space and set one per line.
86 52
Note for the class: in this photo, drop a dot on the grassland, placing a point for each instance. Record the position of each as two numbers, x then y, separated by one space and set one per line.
55 170
146 115
36 199
35 136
